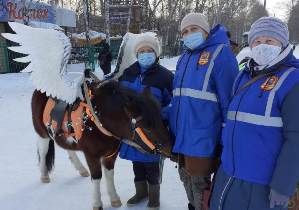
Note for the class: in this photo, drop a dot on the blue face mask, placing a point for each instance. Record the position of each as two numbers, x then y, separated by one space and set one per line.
193 40
146 60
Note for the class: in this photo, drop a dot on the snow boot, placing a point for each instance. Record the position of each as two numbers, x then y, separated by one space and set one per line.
141 193
153 197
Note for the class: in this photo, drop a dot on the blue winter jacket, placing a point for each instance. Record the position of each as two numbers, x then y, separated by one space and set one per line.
202 85
258 139
159 79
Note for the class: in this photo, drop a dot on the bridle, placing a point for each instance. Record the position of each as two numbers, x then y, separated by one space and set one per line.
152 146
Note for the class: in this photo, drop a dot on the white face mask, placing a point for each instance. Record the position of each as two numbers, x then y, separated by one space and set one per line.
263 54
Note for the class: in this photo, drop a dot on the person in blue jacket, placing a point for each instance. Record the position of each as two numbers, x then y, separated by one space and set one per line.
260 155
146 72
202 85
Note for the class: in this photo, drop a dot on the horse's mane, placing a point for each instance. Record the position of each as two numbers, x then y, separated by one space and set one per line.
142 103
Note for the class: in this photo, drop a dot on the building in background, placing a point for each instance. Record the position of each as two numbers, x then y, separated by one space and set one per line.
40 14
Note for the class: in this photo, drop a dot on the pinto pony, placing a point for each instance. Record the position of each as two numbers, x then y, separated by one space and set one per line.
83 113
123 113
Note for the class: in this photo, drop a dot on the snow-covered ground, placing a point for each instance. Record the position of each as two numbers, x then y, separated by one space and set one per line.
20 187
169 63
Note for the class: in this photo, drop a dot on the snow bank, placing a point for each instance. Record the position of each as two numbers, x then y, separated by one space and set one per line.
170 63
92 35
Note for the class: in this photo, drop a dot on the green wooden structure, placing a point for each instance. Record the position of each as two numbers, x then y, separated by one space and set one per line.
88 56
7 63
114 47
4 63
90 52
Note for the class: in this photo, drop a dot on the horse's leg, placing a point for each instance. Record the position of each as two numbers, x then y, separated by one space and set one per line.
45 146
46 153
77 163
109 175
94 165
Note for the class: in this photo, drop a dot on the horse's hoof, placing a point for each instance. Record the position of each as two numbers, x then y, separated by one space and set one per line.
45 179
116 204
84 173
97 208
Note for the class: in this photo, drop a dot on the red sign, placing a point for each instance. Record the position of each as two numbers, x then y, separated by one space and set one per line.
16 13
37 11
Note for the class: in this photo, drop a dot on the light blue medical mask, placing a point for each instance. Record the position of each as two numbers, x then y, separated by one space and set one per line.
147 59
193 40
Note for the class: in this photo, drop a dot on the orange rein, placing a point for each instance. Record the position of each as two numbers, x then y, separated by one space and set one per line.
90 112
144 138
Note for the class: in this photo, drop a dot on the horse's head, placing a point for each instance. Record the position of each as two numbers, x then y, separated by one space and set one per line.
132 116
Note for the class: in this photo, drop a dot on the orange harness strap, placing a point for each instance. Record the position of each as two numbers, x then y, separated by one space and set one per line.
76 119
92 114
144 138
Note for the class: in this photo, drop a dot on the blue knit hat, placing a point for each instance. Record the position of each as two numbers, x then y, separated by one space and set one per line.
269 26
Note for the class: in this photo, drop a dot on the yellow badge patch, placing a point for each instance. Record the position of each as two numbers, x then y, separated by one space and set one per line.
270 83
204 58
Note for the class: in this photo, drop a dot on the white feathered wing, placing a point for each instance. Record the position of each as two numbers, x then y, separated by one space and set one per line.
48 52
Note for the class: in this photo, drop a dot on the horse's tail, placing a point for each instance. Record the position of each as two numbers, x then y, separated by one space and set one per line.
38 103
50 157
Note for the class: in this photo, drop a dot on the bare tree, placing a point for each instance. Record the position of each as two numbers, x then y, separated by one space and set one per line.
165 16
293 23
256 11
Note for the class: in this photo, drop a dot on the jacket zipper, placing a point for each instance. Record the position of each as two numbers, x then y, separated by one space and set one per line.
181 85
233 133
229 182
227 185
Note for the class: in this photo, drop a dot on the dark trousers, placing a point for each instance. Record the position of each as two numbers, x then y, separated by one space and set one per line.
235 194
149 172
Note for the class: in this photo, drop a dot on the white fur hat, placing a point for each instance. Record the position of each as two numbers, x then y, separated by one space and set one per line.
197 19
148 40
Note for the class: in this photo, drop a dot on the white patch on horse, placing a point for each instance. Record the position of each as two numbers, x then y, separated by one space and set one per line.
114 197
77 163
43 147
96 194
